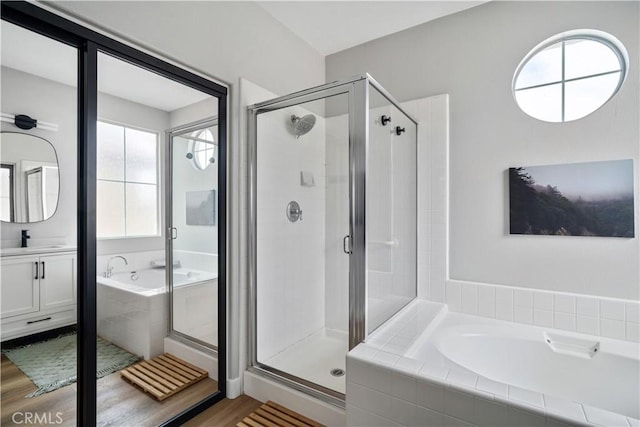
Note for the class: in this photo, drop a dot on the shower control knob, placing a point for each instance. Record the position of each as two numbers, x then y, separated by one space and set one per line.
384 120
399 130
294 213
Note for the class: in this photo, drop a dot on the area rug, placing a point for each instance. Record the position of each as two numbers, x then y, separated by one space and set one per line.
52 364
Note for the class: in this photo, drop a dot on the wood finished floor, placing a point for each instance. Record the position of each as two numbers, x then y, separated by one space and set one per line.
119 403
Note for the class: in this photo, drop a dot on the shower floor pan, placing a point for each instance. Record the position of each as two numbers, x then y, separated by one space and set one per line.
315 357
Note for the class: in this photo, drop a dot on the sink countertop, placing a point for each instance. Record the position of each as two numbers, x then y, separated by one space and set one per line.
35 250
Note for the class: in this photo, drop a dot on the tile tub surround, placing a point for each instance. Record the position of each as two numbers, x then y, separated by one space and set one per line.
387 388
606 317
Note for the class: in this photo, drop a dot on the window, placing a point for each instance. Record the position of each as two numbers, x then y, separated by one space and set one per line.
127 176
202 147
570 75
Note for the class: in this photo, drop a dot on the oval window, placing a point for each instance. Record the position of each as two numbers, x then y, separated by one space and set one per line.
203 149
570 75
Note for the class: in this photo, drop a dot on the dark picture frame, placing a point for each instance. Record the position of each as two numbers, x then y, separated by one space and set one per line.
576 199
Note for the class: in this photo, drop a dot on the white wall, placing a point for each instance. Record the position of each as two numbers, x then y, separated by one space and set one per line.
50 102
472 55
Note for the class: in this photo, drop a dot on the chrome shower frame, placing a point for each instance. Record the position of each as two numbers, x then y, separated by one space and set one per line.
357 88
170 134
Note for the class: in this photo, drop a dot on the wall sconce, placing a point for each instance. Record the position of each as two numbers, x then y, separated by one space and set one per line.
25 122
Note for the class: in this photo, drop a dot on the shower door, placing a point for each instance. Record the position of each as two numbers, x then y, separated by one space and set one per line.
303 238
192 252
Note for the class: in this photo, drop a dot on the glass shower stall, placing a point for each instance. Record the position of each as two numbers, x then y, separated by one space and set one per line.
333 232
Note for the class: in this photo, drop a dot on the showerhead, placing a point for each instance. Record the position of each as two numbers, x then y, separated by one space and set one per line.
302 125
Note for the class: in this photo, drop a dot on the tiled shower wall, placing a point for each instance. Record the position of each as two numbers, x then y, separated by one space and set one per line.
432 114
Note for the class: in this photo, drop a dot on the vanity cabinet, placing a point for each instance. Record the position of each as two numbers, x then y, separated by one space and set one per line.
38 293
20 287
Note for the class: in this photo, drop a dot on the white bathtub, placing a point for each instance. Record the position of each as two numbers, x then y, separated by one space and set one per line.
133 309
430 367
152 281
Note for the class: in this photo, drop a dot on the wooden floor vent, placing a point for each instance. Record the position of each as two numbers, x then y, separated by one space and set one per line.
273 415
163 376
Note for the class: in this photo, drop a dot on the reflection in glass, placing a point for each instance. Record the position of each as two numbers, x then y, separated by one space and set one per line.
31 181
42 192
203 148
110 161
141 155
138 109
194 185
38 292
141 209
110 209
128 156
6 193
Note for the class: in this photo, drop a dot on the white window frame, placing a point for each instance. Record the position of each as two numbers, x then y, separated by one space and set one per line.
158 183
598 36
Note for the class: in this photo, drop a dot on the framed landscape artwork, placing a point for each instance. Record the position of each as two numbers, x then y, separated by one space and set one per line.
577 199
201 207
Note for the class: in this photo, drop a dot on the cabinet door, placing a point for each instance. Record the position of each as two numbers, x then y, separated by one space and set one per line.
57 281
19 289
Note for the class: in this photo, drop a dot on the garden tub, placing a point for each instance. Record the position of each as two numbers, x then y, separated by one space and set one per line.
428 366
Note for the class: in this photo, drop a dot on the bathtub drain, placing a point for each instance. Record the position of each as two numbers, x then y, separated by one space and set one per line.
337 372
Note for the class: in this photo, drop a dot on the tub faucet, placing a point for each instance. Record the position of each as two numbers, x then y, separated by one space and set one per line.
109 271
25 236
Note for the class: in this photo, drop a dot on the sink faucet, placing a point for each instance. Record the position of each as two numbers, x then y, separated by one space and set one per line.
25 236
109 271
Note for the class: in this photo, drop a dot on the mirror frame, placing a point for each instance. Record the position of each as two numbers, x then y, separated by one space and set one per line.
89 42
13 212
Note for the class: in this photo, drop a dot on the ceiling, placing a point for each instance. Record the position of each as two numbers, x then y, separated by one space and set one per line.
327 26
332 26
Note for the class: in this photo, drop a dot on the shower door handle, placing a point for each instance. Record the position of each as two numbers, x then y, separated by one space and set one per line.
173 233
346 244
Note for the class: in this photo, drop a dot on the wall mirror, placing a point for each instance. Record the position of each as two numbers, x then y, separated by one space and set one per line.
30 179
